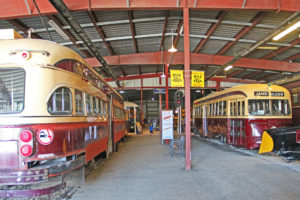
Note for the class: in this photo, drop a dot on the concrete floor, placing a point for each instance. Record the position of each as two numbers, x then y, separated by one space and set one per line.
143 169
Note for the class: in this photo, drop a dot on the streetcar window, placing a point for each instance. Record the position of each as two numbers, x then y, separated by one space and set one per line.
104 108
216 109
280 107
234 108
220 108
79 105
231 109
12 82
88 104
60 101
243 107
224 108
100 107
259 107
239 108
95 106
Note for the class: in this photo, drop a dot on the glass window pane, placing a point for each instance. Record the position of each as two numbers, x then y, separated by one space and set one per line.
60 101
280 107
79 105
88 104
12 84
95 106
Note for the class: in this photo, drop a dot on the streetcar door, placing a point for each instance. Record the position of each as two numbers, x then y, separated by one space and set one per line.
232 123
110 132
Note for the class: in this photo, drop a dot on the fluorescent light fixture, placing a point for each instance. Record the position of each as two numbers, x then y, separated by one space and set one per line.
198 91
122 92
267 47
58 29
287 31
163 76
228 67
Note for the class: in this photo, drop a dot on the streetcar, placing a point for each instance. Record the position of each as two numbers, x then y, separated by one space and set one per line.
56 113
240 114
134 118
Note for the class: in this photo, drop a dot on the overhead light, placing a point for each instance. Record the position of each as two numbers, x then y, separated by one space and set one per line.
122 92
172 49
198 91
58 29
287 31
267 47
228 67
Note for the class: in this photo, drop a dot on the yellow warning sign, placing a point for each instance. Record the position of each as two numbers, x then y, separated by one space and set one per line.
197 79
177 79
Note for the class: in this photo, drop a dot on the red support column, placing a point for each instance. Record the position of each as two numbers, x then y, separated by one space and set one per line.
142 115
167 86
160 111
187 88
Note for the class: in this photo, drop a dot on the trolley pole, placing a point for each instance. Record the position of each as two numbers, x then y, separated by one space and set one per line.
187 87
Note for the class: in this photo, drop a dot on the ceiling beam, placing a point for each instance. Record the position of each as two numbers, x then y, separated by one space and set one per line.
68 33
243 32
16 9
155 58
177 37
221 15
22 27
234 73
154 75
283 25
292 58
103 36
100 32
164 31
281 49
133 33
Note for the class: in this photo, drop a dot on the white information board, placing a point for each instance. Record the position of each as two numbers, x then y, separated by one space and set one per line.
167 125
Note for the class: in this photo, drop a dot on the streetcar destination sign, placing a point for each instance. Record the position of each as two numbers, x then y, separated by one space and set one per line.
261 93
277 94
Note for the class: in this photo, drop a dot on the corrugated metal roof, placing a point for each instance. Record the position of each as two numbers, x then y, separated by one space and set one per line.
149 26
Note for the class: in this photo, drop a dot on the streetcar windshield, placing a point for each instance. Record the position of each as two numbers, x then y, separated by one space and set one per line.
12 84
263 107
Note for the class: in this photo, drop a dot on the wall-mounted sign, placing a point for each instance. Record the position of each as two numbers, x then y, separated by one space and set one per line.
261 93
159 90
177 79
197 79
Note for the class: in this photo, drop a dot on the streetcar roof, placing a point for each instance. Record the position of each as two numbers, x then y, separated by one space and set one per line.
130 104
246 90
9 48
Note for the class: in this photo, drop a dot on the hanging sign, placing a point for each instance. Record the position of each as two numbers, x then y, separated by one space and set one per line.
177 79
197 79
